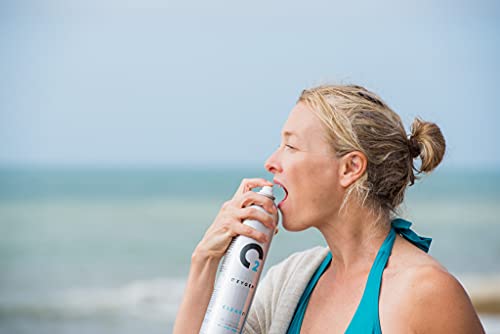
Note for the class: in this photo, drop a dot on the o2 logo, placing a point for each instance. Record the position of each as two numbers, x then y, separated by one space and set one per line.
243 256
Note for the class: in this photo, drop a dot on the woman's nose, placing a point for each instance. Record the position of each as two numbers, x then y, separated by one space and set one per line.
272 164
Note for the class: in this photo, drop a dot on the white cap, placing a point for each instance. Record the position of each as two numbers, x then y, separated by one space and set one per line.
267 191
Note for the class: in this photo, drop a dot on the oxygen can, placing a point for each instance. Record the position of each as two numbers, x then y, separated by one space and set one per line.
237 280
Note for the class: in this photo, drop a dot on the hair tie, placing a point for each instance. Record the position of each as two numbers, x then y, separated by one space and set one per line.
414 147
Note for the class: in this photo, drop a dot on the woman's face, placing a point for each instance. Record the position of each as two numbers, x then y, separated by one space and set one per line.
306 167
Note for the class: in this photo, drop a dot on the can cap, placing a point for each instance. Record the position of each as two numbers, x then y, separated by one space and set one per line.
267 191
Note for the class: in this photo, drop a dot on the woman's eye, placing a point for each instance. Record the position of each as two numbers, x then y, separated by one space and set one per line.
286 147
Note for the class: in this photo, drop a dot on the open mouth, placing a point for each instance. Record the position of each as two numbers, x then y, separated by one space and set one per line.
284 189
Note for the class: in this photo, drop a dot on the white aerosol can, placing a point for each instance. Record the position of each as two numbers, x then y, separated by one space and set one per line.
238 278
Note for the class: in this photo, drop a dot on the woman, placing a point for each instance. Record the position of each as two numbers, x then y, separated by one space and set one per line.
345 162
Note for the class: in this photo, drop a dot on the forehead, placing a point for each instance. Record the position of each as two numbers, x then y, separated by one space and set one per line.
302 123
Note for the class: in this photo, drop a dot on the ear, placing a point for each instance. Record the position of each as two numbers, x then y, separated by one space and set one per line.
352 167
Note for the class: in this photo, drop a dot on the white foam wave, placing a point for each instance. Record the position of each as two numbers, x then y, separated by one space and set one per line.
159 299
156 299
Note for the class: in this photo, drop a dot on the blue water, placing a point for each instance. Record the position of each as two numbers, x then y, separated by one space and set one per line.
107 250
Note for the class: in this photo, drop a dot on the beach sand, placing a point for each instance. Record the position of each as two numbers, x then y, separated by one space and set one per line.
484 292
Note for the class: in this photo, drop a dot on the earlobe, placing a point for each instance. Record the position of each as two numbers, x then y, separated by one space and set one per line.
352 167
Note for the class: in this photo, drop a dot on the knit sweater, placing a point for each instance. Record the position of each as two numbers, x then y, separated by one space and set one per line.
278 293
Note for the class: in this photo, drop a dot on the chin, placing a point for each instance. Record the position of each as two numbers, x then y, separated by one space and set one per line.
290 221
293 226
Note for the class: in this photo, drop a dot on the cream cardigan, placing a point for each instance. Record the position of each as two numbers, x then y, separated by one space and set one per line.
278 293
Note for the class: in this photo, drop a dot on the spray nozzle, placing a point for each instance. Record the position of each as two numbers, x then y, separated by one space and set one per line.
267 191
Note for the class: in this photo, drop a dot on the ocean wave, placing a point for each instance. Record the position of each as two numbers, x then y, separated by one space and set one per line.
156 299
159 299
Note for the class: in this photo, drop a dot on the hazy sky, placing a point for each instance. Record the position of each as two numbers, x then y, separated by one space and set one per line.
144 82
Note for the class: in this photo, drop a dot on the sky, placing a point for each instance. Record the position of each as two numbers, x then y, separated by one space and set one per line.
211 83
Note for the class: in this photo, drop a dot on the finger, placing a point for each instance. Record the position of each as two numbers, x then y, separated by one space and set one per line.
252 212
249 184
248 231
265 202
276 231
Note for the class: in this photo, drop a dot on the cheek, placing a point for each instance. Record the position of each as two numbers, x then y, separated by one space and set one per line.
323 173
323 188
314 192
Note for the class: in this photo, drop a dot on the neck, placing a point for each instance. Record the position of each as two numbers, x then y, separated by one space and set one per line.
354 238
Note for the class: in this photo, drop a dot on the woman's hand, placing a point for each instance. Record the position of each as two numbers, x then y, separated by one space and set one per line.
228 222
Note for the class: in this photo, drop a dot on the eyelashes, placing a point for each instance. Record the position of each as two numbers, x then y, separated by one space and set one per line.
287 147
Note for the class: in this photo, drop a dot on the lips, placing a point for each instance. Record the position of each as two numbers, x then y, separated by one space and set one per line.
284 189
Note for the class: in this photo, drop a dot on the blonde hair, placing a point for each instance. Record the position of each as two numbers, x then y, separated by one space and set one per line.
358 120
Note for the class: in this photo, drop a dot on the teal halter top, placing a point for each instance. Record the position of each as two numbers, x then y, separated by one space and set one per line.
366 318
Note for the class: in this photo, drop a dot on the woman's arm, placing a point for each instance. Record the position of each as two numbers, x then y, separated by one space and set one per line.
214 244
199 288
441 305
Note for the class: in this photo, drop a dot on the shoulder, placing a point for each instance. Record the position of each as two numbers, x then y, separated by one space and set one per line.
436 302
429 298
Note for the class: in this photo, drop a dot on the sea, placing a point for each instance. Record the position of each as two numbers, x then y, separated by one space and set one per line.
107 250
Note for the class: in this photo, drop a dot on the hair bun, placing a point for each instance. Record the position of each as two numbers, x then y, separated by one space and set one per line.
426 141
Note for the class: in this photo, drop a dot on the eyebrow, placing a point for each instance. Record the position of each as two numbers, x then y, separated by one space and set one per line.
287 134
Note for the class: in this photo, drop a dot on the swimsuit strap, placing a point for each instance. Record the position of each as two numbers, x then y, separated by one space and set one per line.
403 227
366 319
298 317
366 316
